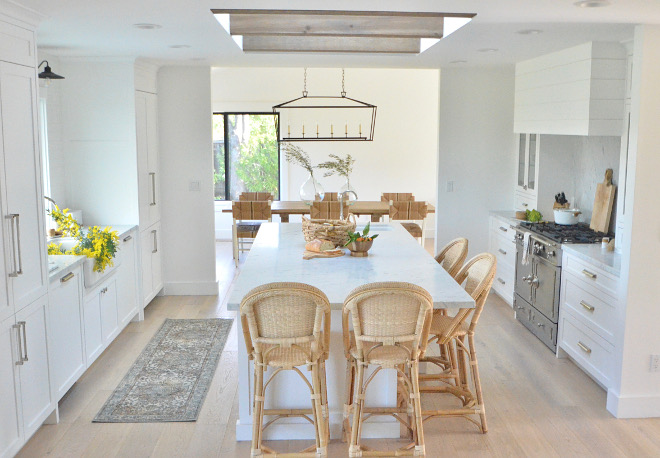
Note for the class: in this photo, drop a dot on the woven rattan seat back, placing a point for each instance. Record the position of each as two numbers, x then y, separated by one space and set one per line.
397 197
327 210
389 313
258 196
285 314
453 255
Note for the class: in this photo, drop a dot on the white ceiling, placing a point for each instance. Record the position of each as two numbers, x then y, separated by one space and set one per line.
105 28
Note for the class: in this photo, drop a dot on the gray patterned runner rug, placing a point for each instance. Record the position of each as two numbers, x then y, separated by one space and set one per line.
170 378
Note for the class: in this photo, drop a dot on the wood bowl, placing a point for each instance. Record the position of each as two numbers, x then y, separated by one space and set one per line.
360 249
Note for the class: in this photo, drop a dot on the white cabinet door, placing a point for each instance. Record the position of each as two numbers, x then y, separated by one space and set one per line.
127 293
10 421
146 247
93 336
109 322
67 349
152 156
6 305
23 216
156 260
36 400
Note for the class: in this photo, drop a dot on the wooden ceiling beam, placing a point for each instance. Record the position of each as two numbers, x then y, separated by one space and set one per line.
331 44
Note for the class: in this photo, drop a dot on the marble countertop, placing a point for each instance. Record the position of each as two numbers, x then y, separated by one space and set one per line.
508 215
276 256
609 261
62 265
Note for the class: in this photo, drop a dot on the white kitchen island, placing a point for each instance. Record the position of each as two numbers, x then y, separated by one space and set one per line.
276 256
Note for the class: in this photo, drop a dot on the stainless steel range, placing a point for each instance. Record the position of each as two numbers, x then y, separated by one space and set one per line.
536 299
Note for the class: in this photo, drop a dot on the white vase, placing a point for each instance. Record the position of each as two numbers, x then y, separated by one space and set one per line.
311 190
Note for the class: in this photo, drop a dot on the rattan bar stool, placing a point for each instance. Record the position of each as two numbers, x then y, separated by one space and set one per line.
285 326
456 334
453 255
390 330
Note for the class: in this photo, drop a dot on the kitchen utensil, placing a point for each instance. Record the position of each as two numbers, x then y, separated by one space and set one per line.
566 217
600 218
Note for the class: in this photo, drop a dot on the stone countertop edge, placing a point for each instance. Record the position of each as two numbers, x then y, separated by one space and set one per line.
123 230
66 263
609 261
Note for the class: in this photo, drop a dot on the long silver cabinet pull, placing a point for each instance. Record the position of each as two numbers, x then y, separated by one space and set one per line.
22 323
11 218
17 326
153 188
18 242
67 277
127 238
155 250
503 229
501 251
589 274
501 281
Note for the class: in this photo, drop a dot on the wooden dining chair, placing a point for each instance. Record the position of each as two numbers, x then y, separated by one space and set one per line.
287 326
255 196
453 255
327 210
390 330
397 197
247 219
455 336
413 214
330 197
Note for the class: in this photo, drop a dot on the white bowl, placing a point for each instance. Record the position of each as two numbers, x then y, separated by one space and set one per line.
567 217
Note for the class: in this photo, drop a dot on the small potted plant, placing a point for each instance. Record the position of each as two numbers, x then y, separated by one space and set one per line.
359 244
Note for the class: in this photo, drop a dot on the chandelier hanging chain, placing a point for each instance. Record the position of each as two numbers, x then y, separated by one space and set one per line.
305 84
343 84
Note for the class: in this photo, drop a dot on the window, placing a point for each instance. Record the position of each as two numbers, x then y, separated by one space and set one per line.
246 154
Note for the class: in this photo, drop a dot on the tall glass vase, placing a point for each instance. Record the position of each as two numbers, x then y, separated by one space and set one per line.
311 190
351 196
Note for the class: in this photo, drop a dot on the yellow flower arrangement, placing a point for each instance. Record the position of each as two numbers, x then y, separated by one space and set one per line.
98 244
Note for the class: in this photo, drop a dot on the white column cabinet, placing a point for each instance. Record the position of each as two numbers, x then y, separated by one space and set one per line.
128 301
10 421
22 197
146 113
152 276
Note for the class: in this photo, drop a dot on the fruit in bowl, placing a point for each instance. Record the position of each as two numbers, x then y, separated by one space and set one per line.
359 244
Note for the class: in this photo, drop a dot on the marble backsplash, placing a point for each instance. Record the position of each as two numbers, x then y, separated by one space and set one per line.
580 163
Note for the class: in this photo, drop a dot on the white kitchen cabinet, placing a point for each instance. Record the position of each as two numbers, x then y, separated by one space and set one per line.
146 114
109 320
575 91
528 160
152 277
93 333
10 420
36 400
502 244
67 349
100 316
21 189
128 301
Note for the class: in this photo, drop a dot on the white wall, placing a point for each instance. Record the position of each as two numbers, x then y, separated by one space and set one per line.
637 393
403 156
185 126
477 153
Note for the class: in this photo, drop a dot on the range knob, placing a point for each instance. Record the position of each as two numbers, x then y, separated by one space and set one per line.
551 254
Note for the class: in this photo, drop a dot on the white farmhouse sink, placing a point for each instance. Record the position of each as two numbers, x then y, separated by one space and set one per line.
90 277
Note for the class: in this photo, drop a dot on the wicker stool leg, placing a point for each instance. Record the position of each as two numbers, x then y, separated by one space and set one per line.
417 403
257 412
348 404
462 366
358 402
474 367
324 400
319 420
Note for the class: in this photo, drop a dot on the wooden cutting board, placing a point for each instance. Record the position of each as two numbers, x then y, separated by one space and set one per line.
324 254
600 218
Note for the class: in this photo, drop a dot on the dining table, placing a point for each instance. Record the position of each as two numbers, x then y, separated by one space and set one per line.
374 208
277 256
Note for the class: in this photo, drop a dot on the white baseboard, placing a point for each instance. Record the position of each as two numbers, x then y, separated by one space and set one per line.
632 406
380 429
191 288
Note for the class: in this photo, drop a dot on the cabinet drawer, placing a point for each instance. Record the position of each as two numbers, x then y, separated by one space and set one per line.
598 311
503 249
503 228
524 201
587 349
504 281
591 274
16 44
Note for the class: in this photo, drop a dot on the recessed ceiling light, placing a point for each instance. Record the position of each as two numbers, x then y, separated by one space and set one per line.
458 62
529 32
487 50
197 59
592 3
147 26
179 46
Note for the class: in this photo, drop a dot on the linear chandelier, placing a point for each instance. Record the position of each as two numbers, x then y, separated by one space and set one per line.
325 118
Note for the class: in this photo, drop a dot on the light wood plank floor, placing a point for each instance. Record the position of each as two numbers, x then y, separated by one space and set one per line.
537 405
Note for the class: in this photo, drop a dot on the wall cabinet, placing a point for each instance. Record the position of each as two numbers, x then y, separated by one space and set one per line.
152 277
67 350
128 301
22 198
526 192
146 114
